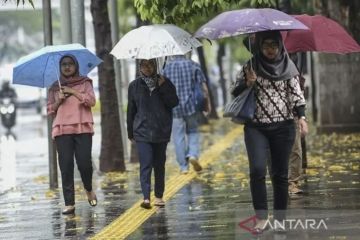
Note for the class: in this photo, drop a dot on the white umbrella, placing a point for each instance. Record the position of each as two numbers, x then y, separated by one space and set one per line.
154 41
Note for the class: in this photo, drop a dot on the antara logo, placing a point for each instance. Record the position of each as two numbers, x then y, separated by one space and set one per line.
297 224
287 224
249 224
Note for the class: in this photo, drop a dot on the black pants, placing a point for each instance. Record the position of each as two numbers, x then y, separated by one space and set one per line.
152 155
278 139
68 146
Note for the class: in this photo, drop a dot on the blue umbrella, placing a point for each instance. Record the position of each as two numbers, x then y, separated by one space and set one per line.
250 20
41 68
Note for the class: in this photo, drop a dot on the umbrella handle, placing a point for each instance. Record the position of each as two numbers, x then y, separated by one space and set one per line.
251 67
59 85
57 75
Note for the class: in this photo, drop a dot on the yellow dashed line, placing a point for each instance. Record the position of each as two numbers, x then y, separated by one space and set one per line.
128 222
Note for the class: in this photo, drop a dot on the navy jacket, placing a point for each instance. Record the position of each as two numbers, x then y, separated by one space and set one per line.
149 115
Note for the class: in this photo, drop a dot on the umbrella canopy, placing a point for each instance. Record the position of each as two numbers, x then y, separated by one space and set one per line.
154 41
41 68
233 23
325 35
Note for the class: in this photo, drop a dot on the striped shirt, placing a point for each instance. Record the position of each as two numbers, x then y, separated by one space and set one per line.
183 73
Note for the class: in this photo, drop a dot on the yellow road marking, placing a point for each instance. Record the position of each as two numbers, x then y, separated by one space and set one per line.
129 221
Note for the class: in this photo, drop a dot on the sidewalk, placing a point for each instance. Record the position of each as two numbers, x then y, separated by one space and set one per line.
211 206
31 196
26 156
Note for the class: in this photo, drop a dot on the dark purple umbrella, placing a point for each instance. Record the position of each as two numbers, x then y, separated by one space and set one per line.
250 20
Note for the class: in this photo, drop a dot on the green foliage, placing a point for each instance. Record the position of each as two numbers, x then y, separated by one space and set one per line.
127 19
301 6
180 11
238 51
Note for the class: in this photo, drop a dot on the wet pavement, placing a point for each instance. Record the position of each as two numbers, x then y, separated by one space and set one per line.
210 205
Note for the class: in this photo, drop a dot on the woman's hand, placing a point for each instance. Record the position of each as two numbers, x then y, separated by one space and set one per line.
59 100
303 127
250 77
67 90
61 96
161 80
71 92
207 110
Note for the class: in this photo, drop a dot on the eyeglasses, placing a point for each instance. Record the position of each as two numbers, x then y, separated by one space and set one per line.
272 45
67 64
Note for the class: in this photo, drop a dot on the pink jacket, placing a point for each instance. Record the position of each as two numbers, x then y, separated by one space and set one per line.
73 116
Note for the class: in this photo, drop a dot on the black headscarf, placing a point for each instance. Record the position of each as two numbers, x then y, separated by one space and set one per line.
279 69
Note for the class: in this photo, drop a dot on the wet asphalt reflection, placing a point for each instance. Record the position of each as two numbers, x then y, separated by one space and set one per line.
210 207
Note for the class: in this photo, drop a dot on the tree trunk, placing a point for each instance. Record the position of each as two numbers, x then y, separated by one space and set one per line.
200 50
337 75
220 55
111 153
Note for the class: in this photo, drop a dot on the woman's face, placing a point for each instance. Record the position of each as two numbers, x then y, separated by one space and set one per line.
68 67
147 67
270 48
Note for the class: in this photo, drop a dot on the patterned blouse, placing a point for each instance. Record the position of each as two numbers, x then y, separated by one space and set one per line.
276 100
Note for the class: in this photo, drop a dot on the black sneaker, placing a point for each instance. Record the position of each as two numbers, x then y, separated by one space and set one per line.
145 205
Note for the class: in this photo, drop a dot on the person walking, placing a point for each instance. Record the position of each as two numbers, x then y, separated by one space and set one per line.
185 74
296 155
277 94
72 128
151 98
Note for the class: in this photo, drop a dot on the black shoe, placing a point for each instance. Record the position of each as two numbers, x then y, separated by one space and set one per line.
68 211
145 205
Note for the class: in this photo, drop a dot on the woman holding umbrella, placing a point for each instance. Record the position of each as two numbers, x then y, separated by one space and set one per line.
151 98
274 78
70 101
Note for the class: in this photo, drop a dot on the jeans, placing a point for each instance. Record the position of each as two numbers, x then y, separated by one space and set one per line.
152 155
185 136
279 139
67 146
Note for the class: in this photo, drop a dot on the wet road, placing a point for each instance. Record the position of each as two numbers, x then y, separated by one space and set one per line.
211 206
214 204
24 155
